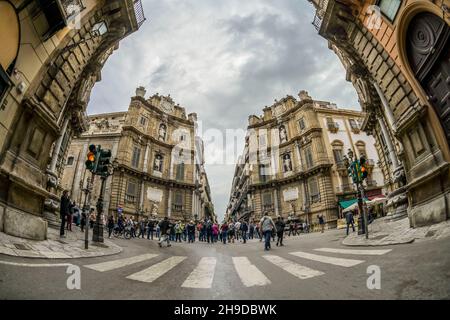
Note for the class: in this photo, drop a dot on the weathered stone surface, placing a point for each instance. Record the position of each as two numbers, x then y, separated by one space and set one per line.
425 214
24 225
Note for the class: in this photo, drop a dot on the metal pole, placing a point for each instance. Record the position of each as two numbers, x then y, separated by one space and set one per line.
97 235
87 209
366 227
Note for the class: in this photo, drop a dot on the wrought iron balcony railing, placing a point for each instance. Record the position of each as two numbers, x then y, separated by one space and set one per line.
320 12
139 12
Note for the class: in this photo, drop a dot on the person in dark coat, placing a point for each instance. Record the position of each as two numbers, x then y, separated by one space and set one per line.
350 221
64 211
244 229
110 225
280 230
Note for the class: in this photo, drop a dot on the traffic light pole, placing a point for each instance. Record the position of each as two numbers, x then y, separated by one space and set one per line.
87 209
364 210
97 235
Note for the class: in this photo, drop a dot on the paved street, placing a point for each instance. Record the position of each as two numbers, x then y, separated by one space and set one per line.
314 266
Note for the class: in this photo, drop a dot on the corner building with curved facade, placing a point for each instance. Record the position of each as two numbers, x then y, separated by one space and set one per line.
293 162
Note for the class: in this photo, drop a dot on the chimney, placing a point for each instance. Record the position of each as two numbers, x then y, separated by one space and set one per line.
140 92
267 113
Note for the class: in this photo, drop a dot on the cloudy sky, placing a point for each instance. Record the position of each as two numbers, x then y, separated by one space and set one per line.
224 60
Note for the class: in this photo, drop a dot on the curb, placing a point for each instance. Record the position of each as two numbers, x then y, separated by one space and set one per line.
55 255
376 244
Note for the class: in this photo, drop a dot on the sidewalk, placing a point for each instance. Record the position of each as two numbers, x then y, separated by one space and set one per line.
55 247
383 232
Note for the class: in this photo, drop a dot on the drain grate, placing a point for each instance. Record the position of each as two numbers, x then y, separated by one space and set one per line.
22 246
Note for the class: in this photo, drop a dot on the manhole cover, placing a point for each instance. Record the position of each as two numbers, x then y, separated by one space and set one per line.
22 246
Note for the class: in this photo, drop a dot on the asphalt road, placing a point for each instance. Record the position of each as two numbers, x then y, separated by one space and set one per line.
305 268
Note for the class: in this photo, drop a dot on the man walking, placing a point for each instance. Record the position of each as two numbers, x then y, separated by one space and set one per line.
280 230
165 232
350 221
150 226
191 231
267 225
244 229
224 229
64 211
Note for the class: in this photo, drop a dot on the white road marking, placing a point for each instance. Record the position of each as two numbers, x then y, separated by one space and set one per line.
355 251
157 270
203 275
36 265
331 260
249 274
293 268
115 264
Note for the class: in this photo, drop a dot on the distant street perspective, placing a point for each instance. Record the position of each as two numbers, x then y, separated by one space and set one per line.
201 150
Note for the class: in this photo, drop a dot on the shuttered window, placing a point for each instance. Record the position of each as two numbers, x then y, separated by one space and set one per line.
136 156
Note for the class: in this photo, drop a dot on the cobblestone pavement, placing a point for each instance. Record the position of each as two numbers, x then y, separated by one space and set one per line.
383 232
55 247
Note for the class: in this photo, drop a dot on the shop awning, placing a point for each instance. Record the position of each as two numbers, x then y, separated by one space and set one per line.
347 203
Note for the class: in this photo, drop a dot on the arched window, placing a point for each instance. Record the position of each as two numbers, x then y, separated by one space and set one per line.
361 147
338 153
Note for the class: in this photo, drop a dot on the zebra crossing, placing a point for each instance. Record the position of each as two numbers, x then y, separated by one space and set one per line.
202 276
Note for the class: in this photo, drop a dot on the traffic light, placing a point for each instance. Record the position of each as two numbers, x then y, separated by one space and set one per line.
103 162
362 162
91 158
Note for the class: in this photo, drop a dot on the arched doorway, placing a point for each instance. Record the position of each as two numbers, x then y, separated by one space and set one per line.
428 51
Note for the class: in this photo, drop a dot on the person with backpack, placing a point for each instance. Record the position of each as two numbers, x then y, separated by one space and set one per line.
267 226
178 231
350 221
165 228
191 231
280 225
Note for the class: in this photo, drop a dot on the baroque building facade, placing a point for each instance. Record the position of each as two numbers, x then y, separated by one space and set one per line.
158 161
396 54
51 56
292 164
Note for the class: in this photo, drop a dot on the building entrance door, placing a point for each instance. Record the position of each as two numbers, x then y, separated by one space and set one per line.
428 46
